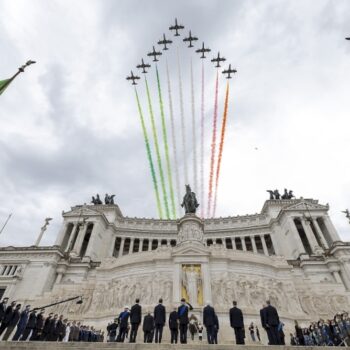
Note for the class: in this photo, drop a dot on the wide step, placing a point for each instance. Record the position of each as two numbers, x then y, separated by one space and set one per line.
141 346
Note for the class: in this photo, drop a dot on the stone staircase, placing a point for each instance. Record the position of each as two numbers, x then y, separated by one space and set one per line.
125 346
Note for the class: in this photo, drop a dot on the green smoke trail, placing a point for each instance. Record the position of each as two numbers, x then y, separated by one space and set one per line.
159 160
149 156
166 147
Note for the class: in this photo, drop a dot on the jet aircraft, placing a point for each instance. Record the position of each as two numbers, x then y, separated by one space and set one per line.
176 27
143 65
190 38
218 60
154 53
229 71
164 42
203 50
133 78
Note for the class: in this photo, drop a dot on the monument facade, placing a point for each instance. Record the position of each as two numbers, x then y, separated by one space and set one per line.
289 253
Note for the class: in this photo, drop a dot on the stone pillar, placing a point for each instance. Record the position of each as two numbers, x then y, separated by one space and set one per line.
319 233
252 238
206 283
131 248
71 237
80 239
345 277
274 244
296 236
263 242
309 234
92 242
224 242
244 247
233 243
61 234
150 242
121 248
331 229
177 283
141 244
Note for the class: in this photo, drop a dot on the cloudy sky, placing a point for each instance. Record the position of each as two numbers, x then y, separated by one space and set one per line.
70 128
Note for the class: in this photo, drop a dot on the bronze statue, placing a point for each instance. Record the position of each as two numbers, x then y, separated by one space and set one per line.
285 195
276 194
271 194
190 201
109 199
97 200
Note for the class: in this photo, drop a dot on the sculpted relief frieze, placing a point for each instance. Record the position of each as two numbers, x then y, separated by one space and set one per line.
117 293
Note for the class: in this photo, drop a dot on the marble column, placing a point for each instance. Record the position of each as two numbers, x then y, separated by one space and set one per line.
80 239
331 229
309 234
244 247
320 233
61 234
296 236
233 243
131 248
177 283
73 233
121 247
206 283
252 238
263 242
93 241
274 244
150 244
224 242
141 244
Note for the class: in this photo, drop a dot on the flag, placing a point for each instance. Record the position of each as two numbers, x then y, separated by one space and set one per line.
4 84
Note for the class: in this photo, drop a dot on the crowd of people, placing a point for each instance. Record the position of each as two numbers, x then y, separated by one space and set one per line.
334 332
32 325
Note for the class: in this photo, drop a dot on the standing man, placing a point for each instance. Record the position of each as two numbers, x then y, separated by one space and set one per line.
37 332
263 323
23 319
12 322
135 320
3 308
237 323
46 329
272 321
182 312
30 327
209 321
148 327
52 329
112 330
216 329
159 321
123 324
174 325
7 317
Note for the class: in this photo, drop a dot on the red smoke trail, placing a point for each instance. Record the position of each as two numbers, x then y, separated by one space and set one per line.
202 146
221 147
213 145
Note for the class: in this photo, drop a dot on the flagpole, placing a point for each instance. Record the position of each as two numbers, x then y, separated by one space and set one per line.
20 70
7 220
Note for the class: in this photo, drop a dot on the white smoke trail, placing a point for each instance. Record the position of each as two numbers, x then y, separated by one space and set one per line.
173 137
202 145
183 125
194 137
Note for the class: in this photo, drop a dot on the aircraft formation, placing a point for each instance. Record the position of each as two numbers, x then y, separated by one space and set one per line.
190 39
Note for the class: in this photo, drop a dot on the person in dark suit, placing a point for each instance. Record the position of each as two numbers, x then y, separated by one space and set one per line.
148 327
3 307
135 320
272 321
123 324
37 331
216 329
30 326
22 323
237 323
7 317
182 312
12 322
174 325
46 329
159 321
263 323
209 321
52 329
60 330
